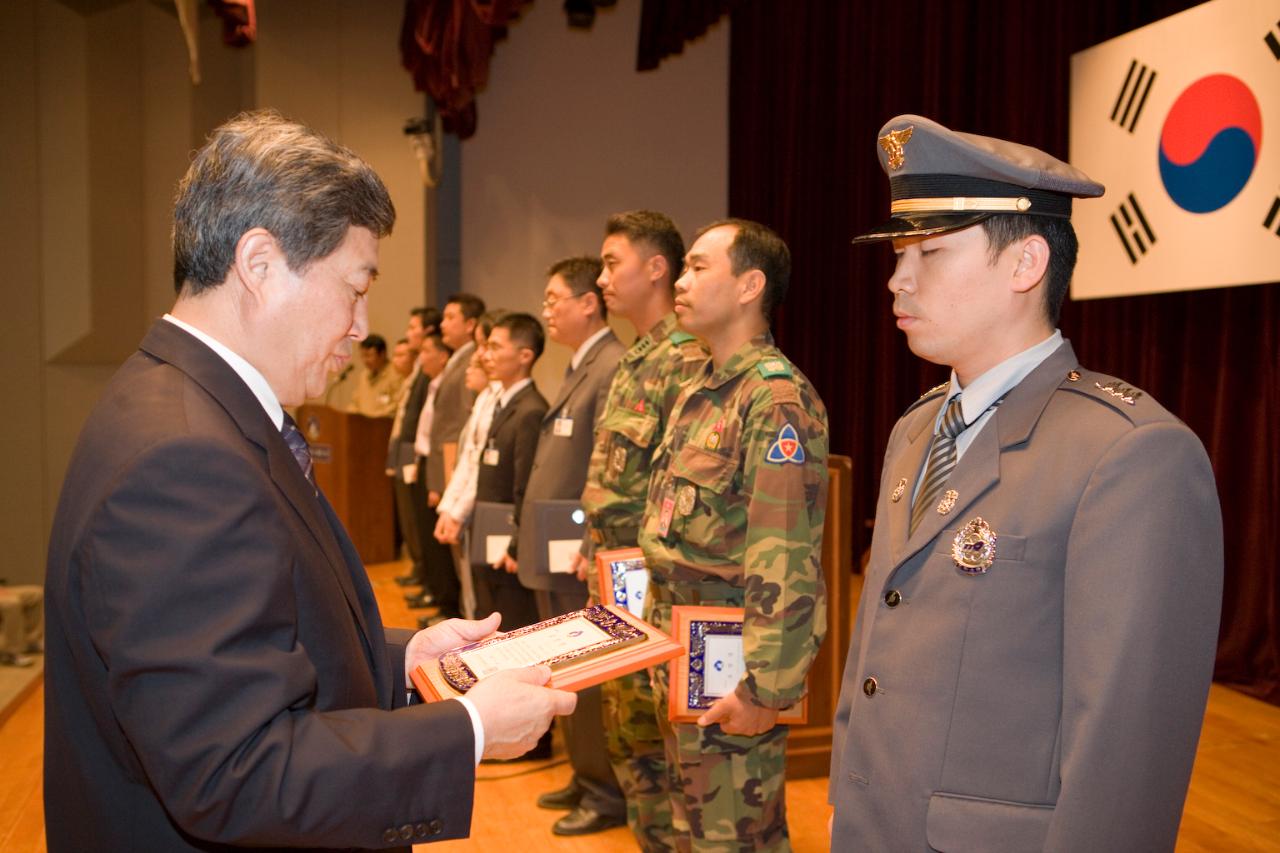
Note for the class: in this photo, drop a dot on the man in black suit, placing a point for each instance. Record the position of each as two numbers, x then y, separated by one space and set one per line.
217 673
401 462
514 345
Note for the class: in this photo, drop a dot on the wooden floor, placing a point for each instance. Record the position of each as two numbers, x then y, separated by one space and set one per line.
1233 805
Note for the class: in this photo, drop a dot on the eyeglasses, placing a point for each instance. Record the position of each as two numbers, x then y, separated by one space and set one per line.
548 304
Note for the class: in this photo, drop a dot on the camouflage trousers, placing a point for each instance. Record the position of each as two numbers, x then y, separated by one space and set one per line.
636 753
728 792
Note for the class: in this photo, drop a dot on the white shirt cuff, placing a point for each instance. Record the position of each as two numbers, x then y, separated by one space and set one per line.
475 724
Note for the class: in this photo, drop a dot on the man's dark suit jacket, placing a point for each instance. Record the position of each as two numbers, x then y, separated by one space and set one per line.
401 451
514 434
217 672
560 464
449 413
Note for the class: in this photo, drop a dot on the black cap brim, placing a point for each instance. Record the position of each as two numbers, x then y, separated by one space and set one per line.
921 226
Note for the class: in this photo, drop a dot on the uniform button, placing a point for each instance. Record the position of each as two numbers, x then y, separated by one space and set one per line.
436 827
406 831
870 686
893 598
390 835
420 830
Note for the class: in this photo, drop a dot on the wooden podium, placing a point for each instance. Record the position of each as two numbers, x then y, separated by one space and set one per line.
350 455
809 745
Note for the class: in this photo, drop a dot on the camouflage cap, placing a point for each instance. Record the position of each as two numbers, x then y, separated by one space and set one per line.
941 180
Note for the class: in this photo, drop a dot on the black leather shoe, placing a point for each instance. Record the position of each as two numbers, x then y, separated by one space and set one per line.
407 580
418 601
583 821
567 797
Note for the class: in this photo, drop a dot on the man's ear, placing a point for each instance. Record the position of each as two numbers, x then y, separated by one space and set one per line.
750 286
1031 264
257 257
657 267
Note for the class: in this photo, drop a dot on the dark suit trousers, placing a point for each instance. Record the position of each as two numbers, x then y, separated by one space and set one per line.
438 574
503 592
409 525
584 728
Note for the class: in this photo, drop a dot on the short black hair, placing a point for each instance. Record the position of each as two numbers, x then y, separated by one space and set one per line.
656 231
525 331
489 319
581 274
1004 229
438 340
472 306
758 247
374 342
429 316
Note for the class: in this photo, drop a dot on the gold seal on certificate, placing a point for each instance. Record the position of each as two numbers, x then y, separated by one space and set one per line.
583 648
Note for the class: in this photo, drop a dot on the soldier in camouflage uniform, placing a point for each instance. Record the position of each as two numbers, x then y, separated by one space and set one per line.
642 254
734 518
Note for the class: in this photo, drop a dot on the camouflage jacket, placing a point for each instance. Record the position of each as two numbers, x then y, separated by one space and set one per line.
649 378
739 492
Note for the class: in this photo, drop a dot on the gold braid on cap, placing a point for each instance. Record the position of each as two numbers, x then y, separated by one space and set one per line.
960 204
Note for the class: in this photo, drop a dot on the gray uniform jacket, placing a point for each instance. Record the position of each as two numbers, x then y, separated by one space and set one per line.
1053 702
560 462
449 413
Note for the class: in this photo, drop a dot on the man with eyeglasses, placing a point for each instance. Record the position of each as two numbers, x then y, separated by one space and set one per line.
574 311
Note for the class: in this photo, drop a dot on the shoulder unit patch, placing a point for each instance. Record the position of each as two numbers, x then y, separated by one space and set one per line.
786 447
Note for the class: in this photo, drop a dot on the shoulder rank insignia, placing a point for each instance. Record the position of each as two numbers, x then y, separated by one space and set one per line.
934 390
1116 388
786 447
773 367
892 143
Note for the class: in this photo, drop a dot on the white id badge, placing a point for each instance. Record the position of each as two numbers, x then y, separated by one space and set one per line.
563 427
490 456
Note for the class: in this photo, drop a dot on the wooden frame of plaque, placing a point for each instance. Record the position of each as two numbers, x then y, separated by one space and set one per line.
631 645
611 570
691 625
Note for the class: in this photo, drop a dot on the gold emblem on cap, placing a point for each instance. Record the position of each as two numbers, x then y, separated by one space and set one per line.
892 143
948 501
899 490
685 499
974 548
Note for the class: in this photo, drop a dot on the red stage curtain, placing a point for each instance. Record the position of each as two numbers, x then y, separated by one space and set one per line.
810 85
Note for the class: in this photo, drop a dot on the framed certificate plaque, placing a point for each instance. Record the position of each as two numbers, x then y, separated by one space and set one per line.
624 578
712 665
583 648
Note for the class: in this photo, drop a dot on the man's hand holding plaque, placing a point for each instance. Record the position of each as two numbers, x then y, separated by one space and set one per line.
515 707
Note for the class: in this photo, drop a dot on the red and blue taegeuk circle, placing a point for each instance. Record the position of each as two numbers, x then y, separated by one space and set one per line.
1210 143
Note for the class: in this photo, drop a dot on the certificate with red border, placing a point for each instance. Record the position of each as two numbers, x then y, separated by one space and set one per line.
583 648
712 664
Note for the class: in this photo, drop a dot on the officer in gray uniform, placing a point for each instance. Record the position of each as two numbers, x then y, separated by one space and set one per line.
1036 634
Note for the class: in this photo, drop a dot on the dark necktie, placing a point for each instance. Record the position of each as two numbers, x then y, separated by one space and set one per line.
942 459
298 447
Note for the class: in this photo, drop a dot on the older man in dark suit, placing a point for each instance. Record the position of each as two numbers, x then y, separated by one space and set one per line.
574 310
218 674
1037 628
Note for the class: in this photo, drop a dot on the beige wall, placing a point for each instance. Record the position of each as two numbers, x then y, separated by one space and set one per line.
100 121
568 133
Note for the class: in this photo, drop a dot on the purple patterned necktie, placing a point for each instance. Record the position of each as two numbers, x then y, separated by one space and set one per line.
298 447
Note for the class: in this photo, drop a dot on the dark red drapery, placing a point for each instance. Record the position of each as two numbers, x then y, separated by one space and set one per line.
810 85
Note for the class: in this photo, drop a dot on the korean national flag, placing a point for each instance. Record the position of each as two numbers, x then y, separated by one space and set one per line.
1180 120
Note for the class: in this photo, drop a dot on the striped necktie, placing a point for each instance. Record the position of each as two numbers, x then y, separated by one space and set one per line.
942 459
298 447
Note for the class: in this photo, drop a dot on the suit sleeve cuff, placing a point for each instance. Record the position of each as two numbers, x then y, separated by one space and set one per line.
476 725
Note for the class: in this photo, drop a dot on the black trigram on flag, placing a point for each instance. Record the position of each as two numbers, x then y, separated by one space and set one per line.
1273 42
1133 229
1272 222
1133 95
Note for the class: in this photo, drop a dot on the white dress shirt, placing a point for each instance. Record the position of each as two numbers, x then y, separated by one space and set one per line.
460 495
422 441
